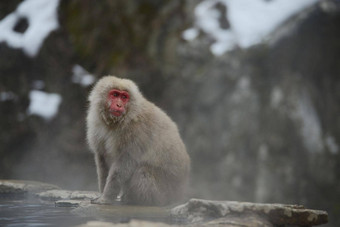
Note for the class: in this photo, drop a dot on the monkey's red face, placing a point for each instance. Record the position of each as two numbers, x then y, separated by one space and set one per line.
117 102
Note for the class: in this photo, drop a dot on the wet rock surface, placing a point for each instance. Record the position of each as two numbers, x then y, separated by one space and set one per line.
258 214
55 195
19 187
196 212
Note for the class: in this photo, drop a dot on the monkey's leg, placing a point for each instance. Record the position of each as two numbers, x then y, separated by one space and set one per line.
102 171
144 189
111 189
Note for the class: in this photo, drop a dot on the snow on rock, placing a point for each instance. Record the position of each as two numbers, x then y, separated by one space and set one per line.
81 76
251 21
42 19
190 34
44 104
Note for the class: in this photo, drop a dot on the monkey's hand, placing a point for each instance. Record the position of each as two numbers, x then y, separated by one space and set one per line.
105 201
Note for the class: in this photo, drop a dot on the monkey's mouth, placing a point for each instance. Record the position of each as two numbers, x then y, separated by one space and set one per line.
116 113
111 117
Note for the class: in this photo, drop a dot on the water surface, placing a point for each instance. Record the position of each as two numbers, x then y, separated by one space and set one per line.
26 212
15 213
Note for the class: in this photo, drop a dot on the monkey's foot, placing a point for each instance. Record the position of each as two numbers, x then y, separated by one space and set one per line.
105 201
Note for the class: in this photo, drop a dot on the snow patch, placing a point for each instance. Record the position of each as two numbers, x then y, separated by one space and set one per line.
190 34
42 19
81 76
44 104
251 21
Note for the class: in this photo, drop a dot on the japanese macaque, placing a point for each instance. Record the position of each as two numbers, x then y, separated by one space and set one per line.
138 151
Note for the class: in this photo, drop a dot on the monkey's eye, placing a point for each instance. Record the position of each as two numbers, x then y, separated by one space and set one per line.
115 94
124 97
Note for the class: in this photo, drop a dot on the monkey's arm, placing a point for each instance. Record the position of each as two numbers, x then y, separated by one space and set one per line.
111 187
102 171
120 172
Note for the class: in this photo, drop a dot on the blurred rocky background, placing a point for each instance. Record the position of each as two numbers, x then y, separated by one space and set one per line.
254 88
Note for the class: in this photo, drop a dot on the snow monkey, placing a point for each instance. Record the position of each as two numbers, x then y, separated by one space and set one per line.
138 151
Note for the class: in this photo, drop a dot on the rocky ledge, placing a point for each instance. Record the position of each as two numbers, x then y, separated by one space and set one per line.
248 214
196 212
21 187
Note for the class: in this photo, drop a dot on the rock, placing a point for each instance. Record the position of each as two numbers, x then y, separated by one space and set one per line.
68 203
132 223
54 195
21 187
198 210
43 191
84 195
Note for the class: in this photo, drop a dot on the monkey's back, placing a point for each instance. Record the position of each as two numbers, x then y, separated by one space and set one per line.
166 146
166 152
159 140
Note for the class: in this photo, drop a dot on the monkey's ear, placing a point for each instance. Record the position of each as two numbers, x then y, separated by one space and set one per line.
93 94
96 95
134 90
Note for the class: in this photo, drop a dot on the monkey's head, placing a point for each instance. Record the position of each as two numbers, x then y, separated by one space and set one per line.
115 99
